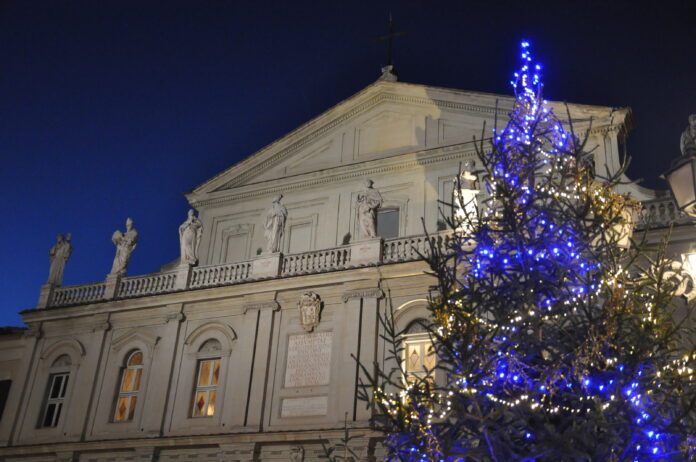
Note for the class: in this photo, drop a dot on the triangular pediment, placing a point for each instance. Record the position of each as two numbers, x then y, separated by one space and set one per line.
383 120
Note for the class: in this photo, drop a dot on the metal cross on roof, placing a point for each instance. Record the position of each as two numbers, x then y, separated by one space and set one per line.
390 40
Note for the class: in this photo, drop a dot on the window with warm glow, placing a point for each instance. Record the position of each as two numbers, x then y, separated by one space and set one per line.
129 387
206 387
419 355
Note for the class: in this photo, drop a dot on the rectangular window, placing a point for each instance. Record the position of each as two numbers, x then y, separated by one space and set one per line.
57 385
420 359
4 393
130 385
388 222
206 387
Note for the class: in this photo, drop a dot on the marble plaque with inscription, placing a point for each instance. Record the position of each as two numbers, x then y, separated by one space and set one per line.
309 360
304 407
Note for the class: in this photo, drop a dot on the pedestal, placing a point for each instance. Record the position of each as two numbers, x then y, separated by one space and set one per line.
45 296
367 252
112 283
267 266
183 276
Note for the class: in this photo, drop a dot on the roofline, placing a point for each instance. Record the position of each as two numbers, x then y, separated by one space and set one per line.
379 82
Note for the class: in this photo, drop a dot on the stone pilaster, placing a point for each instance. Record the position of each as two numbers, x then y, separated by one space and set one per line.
367 301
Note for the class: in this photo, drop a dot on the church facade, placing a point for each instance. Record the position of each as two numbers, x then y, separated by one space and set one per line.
246 349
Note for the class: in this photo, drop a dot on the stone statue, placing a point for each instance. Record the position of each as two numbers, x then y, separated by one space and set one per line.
369 201
275 224
125 245
58 256
465 190
190 233
688 138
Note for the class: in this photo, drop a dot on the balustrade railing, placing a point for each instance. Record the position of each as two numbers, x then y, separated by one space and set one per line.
83 293
655 214
317 261
411 248
228 273
661 213
146 285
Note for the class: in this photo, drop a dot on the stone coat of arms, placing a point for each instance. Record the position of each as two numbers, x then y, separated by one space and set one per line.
310 310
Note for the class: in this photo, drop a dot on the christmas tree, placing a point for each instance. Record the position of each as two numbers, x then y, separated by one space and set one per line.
557 335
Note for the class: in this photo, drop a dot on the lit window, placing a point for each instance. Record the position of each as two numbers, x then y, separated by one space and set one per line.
388 222
57 385
207 377
128 390
206 387
419 355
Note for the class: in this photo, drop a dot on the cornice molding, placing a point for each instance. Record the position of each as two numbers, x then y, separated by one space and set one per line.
348 172
374 292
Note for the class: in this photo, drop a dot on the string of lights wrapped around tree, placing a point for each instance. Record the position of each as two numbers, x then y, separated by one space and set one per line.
556 333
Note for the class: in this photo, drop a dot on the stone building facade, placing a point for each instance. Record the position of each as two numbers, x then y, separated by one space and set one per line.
248 355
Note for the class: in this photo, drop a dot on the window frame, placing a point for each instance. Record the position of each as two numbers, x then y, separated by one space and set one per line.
58 402
423 340
209 388
387 209
132 394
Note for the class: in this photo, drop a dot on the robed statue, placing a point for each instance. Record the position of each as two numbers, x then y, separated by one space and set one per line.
274 226
688 138
369 201
190 233
125 245
58 256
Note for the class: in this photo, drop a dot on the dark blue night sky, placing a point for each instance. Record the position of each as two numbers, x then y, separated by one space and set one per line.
110 109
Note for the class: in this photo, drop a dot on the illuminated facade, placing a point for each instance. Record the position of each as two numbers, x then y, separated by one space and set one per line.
216 362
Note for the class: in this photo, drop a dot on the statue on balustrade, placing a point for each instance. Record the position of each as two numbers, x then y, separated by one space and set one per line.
688 138
58 256
190 233
125 245
274 226
369 201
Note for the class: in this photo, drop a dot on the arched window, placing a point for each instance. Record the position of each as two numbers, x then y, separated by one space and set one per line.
419 354
207 379
129 387
55 395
